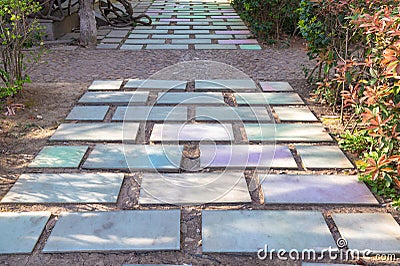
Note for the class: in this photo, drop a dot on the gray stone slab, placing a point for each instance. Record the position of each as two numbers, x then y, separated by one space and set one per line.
90 113
106 46
315 189
114 97
117 34
107 85
116 230
59 156
209 27
96 132
135 157
111 40
268 98
227 113
157 31
319 157
214 36
214 47
377 232
192 132
152 84
138 36
251 230
167 47
169 36
173 27
225 84
196 188
273 86
287 132
190 98
286 113
150 113
21 230
191 32
145 41
240 156
65 188
131 47
189 23
191 41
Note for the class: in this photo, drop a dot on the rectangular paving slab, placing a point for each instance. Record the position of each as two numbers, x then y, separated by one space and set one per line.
192 132
377 232
106 85
196 188
287 132
225 84
65 188
190 98
226 113
315 189
59 156
239 156
135 157
116 230
286 113
150 113
152 84
251 230
21 230
96 132
275 86
115 97
319 157
268 98
88 113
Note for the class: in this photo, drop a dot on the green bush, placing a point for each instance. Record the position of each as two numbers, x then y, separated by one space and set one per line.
269 19
17 32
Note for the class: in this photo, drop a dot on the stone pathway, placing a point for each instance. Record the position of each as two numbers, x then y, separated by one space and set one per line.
185 24
238 141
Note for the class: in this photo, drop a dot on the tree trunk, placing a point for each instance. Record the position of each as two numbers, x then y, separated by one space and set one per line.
88 30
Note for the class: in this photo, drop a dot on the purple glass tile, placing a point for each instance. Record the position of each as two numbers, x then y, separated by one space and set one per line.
175 19
232 32
248 41
225 17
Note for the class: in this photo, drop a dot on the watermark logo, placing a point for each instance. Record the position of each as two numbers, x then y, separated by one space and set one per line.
340 252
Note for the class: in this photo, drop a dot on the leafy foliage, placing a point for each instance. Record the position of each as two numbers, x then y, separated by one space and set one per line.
269 19
17 32
356 45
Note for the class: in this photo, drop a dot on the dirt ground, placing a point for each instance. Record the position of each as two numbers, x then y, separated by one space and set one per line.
64 75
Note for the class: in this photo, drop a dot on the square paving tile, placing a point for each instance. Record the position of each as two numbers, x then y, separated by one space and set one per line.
378 232
251 230
239 156
66 188
115 97
301 114
89 113
192 132
319 157
135 157
269 86
96 132
225 84
107 85
116 230
315 189
287 132
59 156
190 98
21 230
150 113
151 84
214 47
196 188
226 113
268 98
